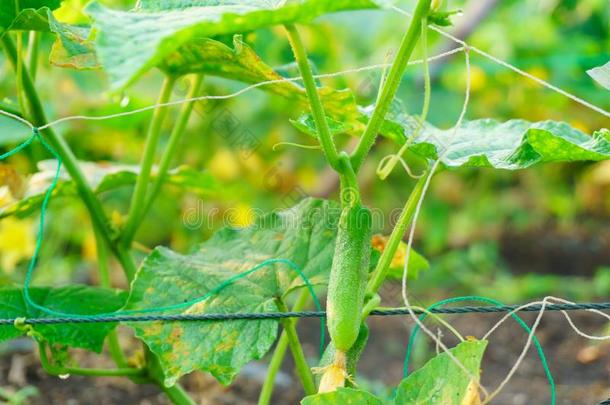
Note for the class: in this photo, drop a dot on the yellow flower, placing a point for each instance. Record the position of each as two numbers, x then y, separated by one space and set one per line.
224 165
17 242
89 247
478 78
379 243
241 216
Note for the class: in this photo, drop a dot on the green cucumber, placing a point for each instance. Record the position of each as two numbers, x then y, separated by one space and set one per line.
348 276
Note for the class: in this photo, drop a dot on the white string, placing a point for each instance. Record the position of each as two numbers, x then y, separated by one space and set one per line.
521 357
17 118
567 316
525 349
226 96
512 67
420 201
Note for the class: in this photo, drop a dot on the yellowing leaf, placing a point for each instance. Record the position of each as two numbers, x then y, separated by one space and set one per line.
442 382
304 234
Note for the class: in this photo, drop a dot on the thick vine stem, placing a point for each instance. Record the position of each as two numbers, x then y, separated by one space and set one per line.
53 369
33 47
174 141
278 354
350 191
137 205
381 270
317 109
177 395
302 368
274 367
93 205
390 85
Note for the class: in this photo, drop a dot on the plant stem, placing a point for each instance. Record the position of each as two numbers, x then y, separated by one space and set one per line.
390 85
278 355
317 109
152 139
33 47
116 352
102 259
385 170
274 367
19 68
177 395
93 205
350 191
302 367
174 141
114 347
381 270
92 372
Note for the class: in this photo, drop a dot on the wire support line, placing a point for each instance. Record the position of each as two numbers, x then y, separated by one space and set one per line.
256 316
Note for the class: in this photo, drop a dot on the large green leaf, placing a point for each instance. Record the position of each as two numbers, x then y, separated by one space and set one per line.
511 145
347 396
130 43
601 75
303 234
30 15
441 381
81 300
101 177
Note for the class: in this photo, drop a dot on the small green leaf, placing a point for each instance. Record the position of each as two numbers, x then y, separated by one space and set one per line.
81 300
601 75
304 234
344 396
101 177
441 381
31 15
442 18
510 145
130 43
73 47
305 123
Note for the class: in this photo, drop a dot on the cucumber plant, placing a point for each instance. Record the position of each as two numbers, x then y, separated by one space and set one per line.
276 261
